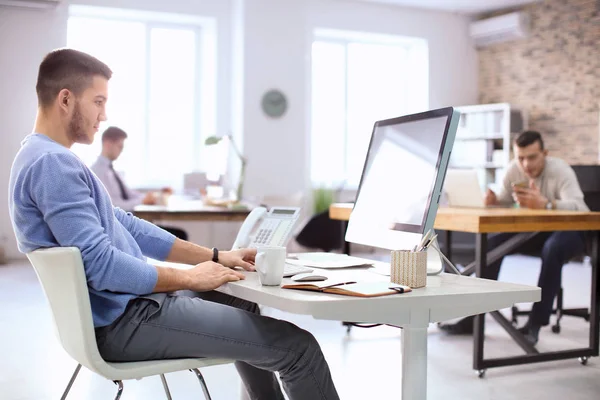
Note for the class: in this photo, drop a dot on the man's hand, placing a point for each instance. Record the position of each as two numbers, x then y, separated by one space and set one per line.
530 197
210 275
238 258
490 198
149 199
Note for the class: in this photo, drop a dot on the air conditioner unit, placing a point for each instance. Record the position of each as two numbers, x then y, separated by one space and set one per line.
35 4
499 29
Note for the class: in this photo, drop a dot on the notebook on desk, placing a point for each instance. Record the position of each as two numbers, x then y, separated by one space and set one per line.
351 288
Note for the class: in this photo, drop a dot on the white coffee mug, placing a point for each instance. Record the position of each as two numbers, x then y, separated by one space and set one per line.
269 264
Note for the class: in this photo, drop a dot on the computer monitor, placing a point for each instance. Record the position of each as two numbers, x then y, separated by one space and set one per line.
402 178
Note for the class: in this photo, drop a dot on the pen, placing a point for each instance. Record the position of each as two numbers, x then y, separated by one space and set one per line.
422 242
429 242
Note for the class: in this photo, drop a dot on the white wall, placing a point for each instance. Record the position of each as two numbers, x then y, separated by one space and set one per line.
274 36
277 38
25 36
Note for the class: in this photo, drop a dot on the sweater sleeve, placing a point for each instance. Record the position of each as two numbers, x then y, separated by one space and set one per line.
155 242
58 186
570 196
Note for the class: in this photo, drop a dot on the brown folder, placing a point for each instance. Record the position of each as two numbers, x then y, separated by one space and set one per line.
358 289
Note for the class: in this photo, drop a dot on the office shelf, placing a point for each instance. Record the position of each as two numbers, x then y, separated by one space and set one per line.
483 139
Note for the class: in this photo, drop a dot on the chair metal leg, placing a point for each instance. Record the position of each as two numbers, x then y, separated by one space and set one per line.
202 383
164 382
119 390
73 377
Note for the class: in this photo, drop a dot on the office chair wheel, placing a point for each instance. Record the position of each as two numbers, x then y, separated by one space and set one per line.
481 373
556 329
583 360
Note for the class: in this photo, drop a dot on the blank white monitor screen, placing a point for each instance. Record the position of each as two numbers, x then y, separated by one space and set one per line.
398 187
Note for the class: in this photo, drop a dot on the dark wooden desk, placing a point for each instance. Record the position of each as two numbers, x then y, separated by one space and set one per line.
527 223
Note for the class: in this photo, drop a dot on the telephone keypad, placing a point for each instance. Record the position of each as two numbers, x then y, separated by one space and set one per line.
265 232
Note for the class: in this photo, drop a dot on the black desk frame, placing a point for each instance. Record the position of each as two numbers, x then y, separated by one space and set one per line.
482 258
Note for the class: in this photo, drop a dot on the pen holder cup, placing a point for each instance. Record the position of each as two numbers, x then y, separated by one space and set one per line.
409 268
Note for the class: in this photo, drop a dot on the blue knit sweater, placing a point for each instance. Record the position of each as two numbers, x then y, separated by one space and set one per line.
56 200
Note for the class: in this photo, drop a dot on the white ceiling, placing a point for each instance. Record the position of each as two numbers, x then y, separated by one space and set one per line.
459 6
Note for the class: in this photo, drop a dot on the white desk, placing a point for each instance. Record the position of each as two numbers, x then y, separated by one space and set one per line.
446 296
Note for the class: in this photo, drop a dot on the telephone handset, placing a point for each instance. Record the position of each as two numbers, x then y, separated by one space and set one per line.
275 227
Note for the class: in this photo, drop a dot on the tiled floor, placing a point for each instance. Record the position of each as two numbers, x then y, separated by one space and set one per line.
364 364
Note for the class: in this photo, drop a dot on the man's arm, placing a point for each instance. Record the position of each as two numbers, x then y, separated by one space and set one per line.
147 234
154 242
203 277
151 238
206 275
504 197
570 195
190 253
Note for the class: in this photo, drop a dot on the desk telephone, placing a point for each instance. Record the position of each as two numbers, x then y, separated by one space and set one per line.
275 227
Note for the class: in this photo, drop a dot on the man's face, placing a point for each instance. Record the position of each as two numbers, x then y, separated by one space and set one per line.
113 148
88 111
532 159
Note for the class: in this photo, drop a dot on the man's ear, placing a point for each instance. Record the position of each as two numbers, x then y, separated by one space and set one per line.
65 98
545 152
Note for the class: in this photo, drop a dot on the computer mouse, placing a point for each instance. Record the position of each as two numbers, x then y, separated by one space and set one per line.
308 277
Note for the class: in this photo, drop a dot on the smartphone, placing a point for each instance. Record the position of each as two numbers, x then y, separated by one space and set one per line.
521 184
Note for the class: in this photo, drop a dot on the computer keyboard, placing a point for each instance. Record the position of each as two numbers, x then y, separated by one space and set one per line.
291 270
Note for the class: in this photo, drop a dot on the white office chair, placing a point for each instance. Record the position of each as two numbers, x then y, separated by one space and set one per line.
60 271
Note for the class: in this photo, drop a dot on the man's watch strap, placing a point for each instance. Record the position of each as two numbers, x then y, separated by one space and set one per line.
215 257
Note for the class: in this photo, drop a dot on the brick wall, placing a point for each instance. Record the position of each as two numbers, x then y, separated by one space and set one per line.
553 75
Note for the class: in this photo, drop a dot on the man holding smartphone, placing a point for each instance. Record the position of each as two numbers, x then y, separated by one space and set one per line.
535 180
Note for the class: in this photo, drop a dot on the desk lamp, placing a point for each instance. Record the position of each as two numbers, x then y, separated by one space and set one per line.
216 139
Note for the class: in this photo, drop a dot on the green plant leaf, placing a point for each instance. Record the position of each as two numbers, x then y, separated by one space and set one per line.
212 140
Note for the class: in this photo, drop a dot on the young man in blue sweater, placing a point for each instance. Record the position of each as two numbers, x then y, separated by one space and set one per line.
55 200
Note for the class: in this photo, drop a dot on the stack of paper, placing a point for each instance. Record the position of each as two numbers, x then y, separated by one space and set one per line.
328 260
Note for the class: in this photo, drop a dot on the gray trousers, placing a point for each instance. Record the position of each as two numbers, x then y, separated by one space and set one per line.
213 324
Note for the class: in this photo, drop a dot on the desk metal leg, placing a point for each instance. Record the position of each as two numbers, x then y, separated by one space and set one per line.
479 323
448 244
414 363
345 245
532 354
595 300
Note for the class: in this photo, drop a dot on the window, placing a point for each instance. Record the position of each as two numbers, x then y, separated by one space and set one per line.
357 79
162 92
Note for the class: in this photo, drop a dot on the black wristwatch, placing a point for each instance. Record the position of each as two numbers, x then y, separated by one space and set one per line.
215 254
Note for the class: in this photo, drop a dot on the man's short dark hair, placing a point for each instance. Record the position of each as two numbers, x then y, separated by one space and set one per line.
67 69
113 133
528 138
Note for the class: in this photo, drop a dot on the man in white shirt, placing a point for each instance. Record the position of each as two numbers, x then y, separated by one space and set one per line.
113 142
535 180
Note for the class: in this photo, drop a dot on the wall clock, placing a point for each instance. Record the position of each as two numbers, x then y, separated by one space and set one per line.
274 103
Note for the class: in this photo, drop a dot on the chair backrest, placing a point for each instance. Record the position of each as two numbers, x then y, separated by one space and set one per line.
62 276
587 175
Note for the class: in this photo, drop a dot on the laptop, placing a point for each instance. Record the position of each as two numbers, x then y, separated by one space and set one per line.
463 190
